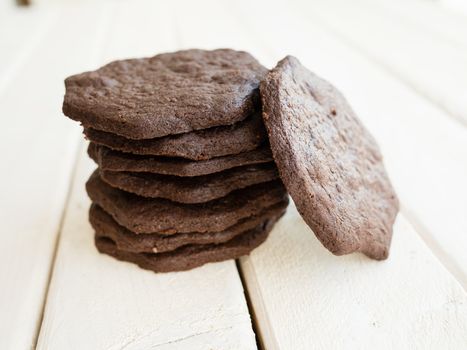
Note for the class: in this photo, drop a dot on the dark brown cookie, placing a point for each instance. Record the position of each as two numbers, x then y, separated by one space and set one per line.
330 164
106 226
197 189
149 215
244 136
170 93
108 159
191 256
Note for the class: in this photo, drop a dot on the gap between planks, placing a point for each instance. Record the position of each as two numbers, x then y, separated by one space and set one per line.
102 32
79 149
251 309
441 254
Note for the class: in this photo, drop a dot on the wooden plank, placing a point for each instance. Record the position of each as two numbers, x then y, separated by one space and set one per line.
435 68
429 17
455 6
115 304
408 301
39 148
424 150
6 5
304 297
21 32
216 29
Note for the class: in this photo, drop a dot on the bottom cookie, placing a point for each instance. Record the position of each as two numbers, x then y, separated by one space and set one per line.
191 256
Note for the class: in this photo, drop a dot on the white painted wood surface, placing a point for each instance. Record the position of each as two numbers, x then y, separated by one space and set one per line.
434 67
306 298
38 152
430 18
302 296
6 5
455 6
21 33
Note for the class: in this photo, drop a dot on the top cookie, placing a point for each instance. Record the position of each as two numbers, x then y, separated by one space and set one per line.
166 94
330 164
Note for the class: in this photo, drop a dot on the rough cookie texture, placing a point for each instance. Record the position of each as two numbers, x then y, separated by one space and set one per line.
126 240
108 159
191 256
330 164
170 93
149 215
220 141
198 189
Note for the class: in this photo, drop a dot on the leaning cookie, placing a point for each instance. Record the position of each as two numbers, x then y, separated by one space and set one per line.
105 226
147 215
191 256
244 136
329 162
188 190
111 160
167 94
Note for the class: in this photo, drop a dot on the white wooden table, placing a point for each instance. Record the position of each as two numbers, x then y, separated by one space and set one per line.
402 65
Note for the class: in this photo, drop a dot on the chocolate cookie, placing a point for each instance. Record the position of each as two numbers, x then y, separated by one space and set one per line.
126 240
108 159
191 256
198 189
330 164
170 93
220 141
149 215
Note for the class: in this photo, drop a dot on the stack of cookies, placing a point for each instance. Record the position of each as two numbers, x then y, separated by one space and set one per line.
185 173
